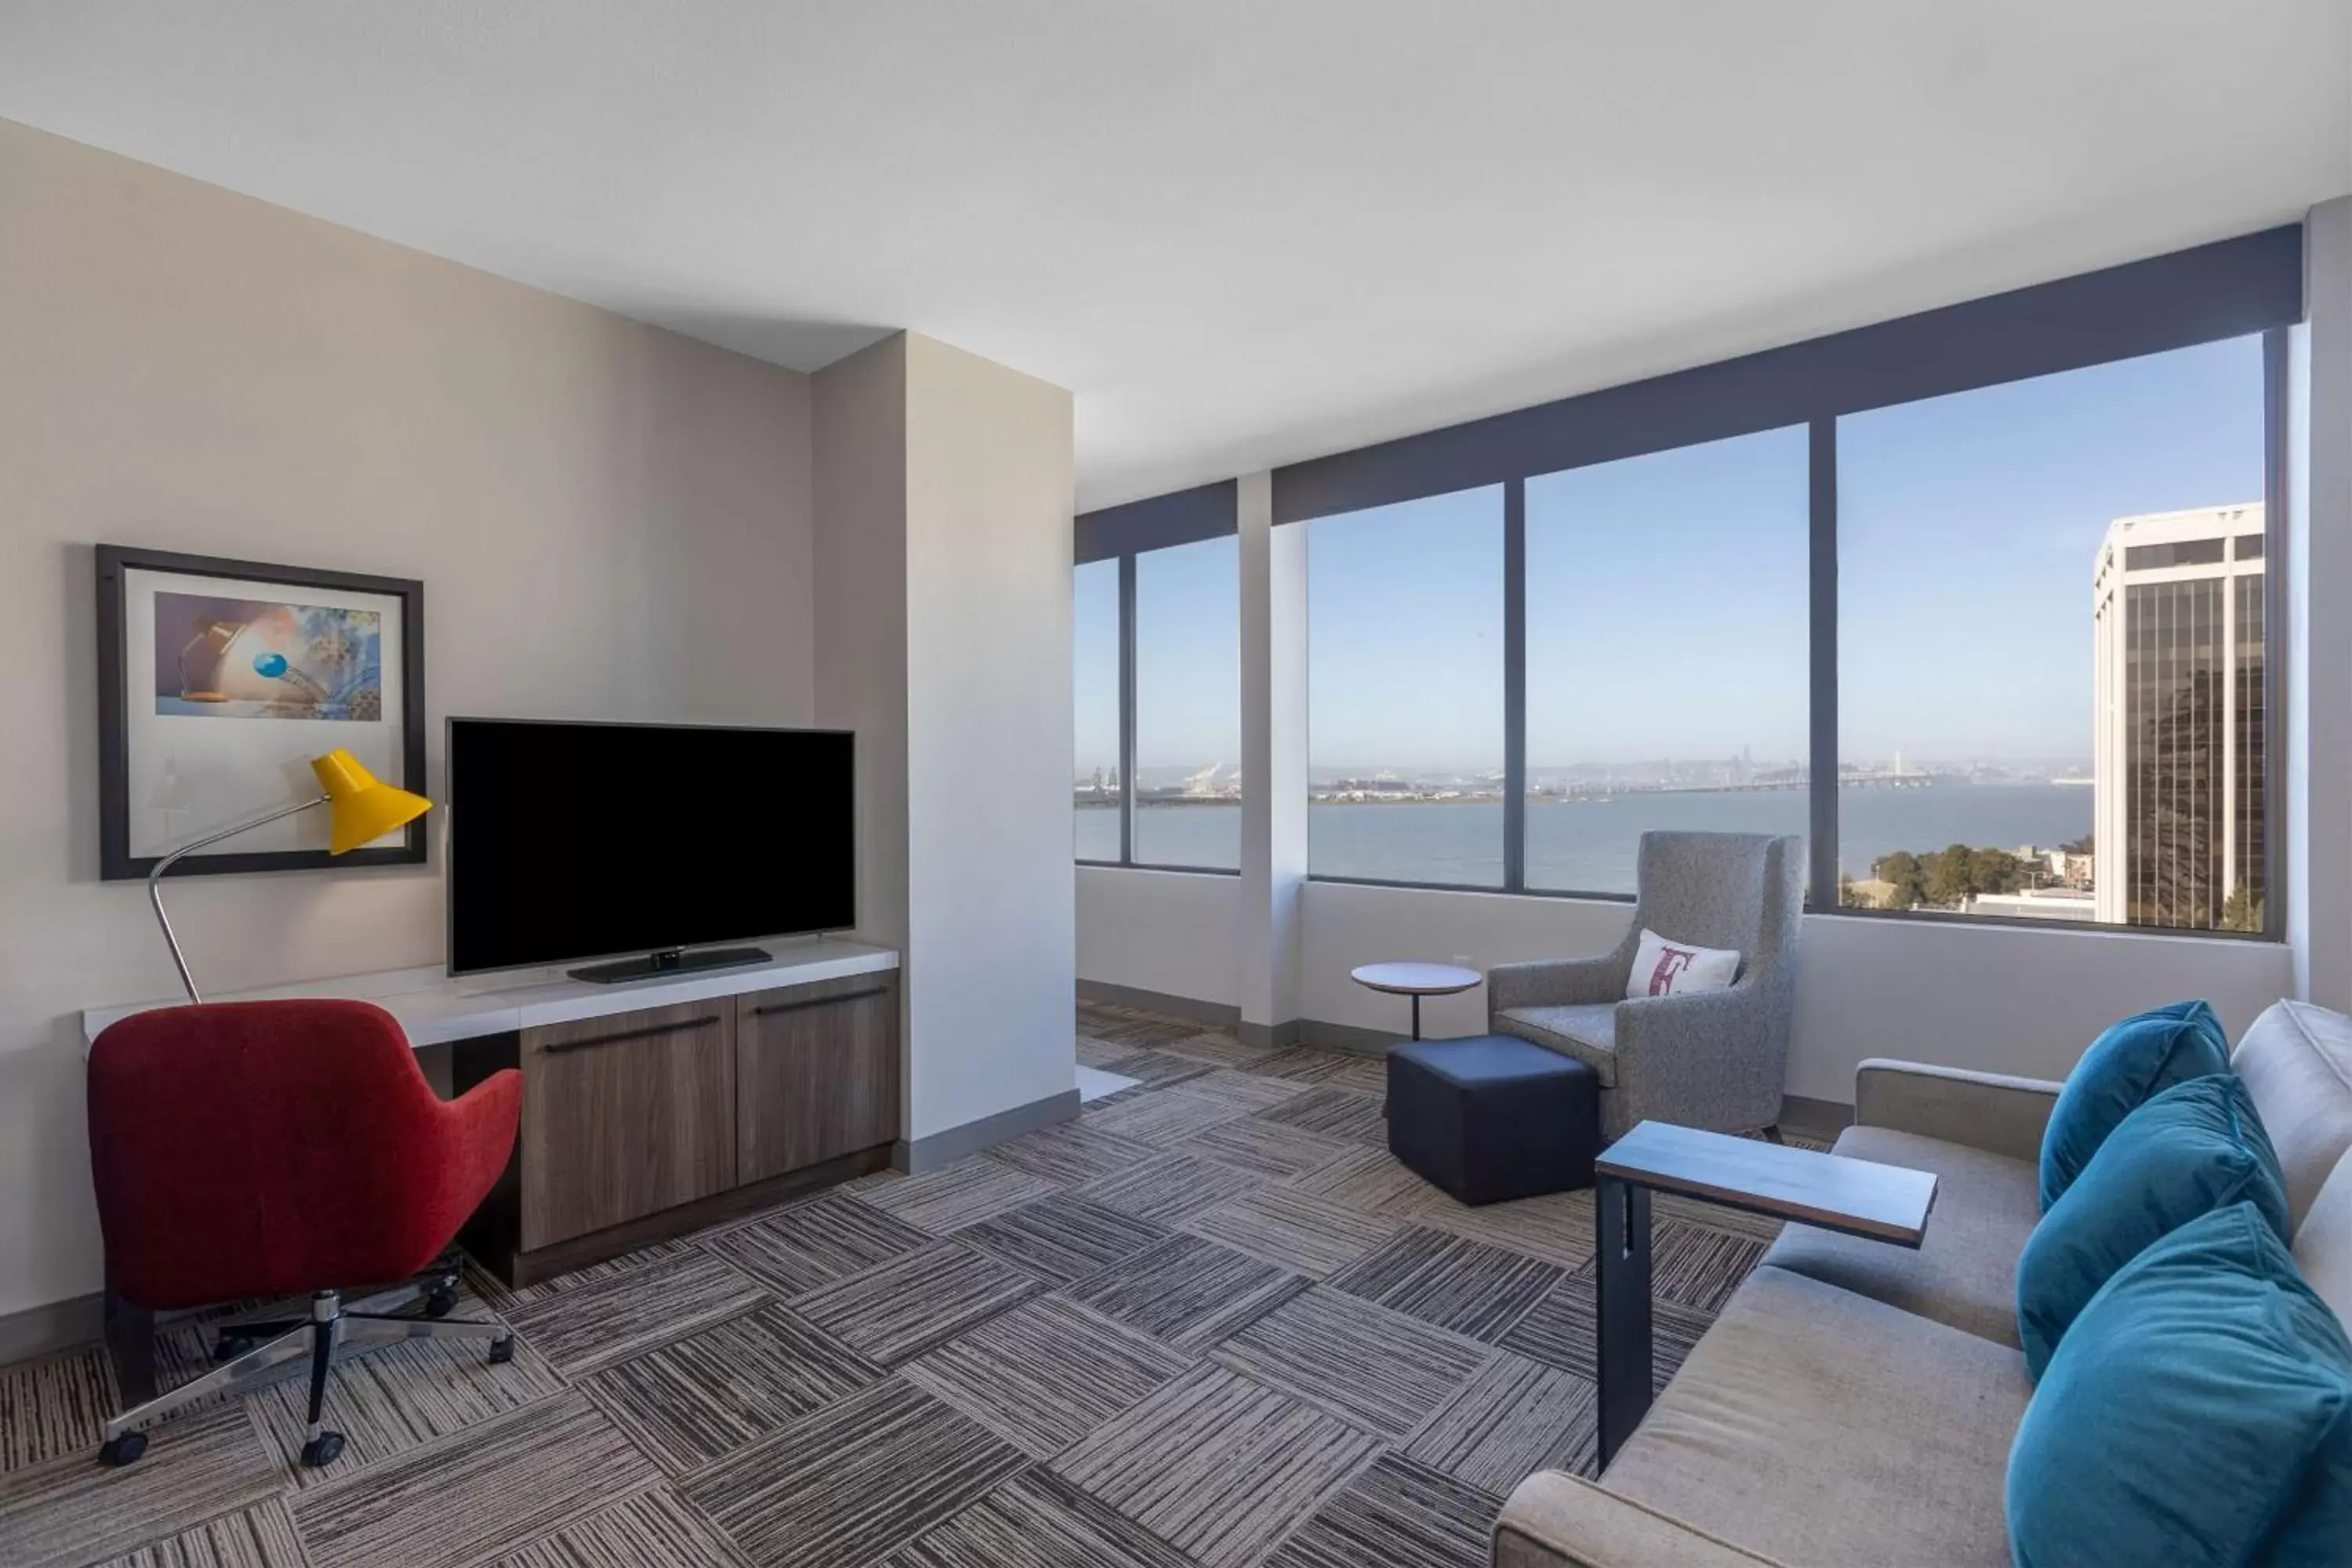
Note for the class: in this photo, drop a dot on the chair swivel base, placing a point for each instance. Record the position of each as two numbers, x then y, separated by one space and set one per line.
249 1351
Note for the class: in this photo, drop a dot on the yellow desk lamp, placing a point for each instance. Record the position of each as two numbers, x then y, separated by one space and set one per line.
360 808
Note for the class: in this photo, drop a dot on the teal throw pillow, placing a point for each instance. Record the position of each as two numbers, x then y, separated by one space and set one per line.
2199 1412
2135 1058
2197 1147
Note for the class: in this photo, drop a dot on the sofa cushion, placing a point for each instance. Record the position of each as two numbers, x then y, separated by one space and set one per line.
1964 1273
2195 1148
2296 1060
2133 1060
1810 1425
2322 1244
1586 1032
2199 1412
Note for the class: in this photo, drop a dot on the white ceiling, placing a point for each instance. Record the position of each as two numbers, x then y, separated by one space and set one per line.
1243 232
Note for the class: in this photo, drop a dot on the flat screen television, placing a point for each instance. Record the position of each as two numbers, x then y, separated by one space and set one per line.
578 841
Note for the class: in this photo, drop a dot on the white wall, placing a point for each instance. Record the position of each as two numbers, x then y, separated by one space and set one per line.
1172 933
610 521
991 921
2319 630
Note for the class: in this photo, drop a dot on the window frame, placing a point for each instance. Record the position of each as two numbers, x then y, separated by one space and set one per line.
2239 288
1122 533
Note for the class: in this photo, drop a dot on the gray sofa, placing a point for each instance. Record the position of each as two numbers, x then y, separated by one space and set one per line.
1854 1403
1715 1059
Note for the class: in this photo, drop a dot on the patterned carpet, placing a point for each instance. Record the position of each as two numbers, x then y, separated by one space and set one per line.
1209 1324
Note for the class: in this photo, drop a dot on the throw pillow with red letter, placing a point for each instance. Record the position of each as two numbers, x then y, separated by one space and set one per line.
1662 968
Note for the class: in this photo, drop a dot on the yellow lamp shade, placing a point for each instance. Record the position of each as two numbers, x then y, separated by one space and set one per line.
361 807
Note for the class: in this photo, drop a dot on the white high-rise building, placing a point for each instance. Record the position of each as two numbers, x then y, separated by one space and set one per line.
2179 718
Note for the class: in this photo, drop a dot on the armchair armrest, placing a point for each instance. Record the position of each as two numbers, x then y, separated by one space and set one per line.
1555 983
1557 1520
1708 1058
1988 1111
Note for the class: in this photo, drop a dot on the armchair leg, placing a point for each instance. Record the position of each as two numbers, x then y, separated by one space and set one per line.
1773 1134
320 1446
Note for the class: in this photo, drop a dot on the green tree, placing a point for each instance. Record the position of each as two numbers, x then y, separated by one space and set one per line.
2240 910
1902 872
1948 876
1995 871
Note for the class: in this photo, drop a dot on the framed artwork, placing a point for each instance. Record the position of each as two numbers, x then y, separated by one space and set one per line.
219 680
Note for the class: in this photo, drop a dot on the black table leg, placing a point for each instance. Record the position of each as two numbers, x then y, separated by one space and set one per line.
1416 1018
1623 1312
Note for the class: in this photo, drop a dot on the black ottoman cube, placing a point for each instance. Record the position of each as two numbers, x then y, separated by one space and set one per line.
1492 1117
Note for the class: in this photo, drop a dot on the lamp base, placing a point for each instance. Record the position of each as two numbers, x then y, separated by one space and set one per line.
675 961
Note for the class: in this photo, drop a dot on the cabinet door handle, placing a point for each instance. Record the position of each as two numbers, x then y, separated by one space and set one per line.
556 1047
802 1005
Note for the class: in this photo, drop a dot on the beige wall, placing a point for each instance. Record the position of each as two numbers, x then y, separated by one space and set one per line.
610 521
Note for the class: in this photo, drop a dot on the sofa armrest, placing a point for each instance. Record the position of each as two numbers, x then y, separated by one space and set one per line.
1988 1111
1555 983
1557 1520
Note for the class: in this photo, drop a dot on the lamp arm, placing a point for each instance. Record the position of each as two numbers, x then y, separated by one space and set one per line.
155 876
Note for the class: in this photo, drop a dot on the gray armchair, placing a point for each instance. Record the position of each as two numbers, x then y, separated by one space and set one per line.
1713 1059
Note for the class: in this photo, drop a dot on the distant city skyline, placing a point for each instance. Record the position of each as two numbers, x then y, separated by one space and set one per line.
1668 593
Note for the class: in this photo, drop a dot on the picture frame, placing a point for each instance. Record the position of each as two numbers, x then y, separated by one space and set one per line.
218 679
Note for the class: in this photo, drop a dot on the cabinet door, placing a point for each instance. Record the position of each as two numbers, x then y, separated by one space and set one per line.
626 1115
817 1071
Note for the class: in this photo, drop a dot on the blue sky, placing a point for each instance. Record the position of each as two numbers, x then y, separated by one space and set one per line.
1667 598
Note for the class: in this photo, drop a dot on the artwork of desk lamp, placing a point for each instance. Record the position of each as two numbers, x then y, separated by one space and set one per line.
358 807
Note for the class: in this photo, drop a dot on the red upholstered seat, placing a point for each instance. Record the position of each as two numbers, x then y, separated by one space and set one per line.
276 1148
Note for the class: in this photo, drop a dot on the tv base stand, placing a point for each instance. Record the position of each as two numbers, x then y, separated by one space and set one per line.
674 961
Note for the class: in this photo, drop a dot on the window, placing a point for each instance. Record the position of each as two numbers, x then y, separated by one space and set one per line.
1666 653
1404 661
1188 717
1094 664
2051 665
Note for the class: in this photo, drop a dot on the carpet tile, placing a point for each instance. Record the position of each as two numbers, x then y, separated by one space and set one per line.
1450 1280
815 1243
966 1192
1217 1465
1300 1064
1557 1228
1062 1239
1072 1152
1264 1148
474 1498
1215 1046
1169 1187
854 1481
72 1509
1100 1345
1340 1112
1166 1118
696 1399
901 1309
1514 1418
1243 1091
1040 1521
1309 1236
261 1537
1188 1292
1374 1181
1372 1368
1159 1070
650 1530
1398 1514
391 1398
1045 1374
610 1320
1558 1330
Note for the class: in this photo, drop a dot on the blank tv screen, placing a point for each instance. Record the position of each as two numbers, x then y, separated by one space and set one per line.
576 841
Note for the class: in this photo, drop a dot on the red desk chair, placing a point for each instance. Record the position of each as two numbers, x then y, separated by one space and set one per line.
269 1149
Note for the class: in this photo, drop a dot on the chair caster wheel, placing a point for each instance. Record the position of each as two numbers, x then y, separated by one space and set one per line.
502 1350
441 1301
323 1450
124 1450
228 1347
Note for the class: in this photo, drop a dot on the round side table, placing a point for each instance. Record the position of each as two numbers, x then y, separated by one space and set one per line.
1416 981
